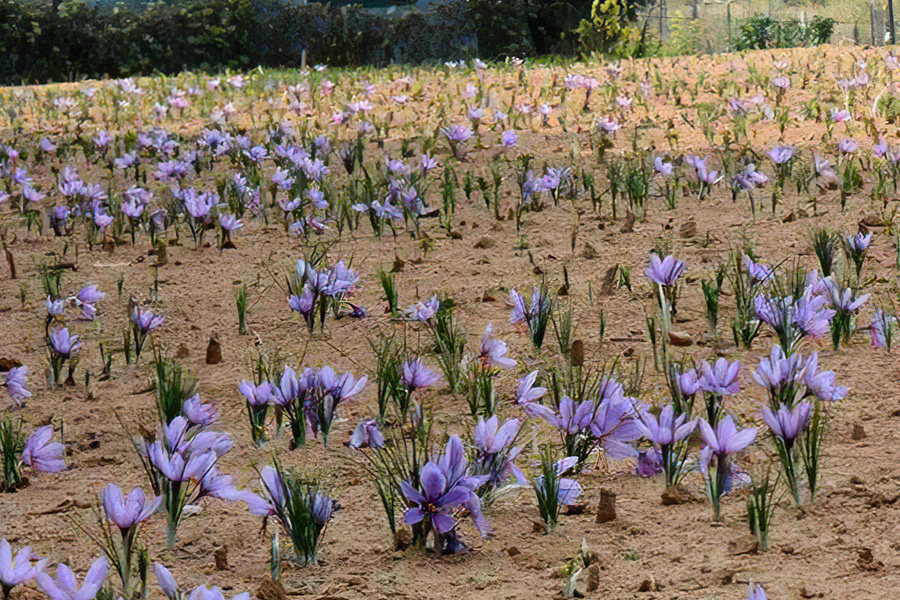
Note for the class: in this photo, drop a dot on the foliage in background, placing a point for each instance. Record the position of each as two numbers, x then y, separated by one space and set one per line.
761 32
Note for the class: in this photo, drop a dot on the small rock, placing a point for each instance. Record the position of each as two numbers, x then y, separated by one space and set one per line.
589 252
538 527
213 351
648 585
628 224
787 549
485 243
182 352
513 551
576 353
746 544
858 432
674 496
680 339
688 229
606 507
456 235
221 557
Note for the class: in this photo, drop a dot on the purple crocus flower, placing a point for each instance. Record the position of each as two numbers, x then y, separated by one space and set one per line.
777 371
722 379
436 501
821 383
491 438
858 243
126 512
520 312
786 423
493 351
649 463
55 308
782 154
215 593
665 429
424 311
146 321
43 455
65 586
198 413
664 272
756 592
614 423
758 271
416 374
811 317
259 395
89 294
15 381
848 146
367 435
569 489
723 440
458 133
509 138
881 328
526 391
688 383
229 222
662 167
18 569
64 343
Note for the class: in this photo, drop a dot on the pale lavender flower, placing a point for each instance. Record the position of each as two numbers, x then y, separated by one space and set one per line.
493 351
664 272
126 512
416 374
782 154
723 440
526 391
17 569
665 429
64 343
722 379
15 381
821 383
367 435
848 146
146 321
198 413
786 423
509 138
65 586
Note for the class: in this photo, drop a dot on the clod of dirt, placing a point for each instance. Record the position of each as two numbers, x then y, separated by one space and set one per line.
485 243
182 352
162 255
589 252
606 506
688 229
671 497
628 224
213 351
270 590
221 557
746 544
592 580
680 339
648 585
576 353
8 364
858 432
513 551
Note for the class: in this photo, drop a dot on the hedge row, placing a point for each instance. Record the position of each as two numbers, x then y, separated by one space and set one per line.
39 44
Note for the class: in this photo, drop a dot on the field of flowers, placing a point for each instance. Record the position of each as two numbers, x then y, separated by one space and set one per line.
475 331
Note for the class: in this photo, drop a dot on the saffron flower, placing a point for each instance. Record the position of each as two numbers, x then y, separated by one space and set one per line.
664 272
17 569
721 442
493 351
65 586
416 374
43 455
367 435
722 379
15 381
527 392
63 343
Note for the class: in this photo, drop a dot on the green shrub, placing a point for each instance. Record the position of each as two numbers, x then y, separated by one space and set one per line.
761 32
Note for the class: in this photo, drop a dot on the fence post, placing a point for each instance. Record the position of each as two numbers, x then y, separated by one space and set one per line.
856 33
872 22
891 21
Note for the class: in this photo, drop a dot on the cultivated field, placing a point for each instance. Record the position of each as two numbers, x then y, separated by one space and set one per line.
671 256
